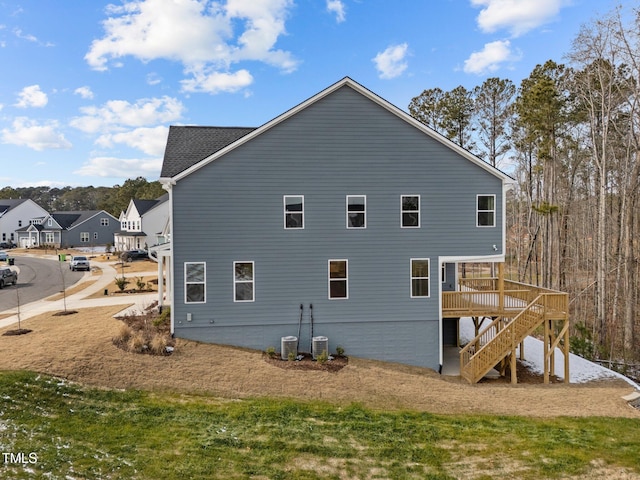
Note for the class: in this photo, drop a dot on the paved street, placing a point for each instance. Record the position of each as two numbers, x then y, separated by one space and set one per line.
34 303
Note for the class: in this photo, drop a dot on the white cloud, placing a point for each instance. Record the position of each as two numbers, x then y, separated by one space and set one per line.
153 78
391 63
84 92
516 16
32 96
490 58
215 82
121 167
337 7
29 133
205 36
118 115
24 36
151 141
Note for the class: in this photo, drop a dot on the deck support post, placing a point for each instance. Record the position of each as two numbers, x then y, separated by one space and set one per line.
522 350
514 367
546 351
566 352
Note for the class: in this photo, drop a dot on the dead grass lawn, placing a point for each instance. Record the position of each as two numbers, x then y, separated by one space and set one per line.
79 347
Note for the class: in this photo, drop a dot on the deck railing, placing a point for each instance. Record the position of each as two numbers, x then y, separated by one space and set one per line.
517 310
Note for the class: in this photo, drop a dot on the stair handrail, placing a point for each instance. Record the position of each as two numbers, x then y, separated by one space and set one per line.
506 330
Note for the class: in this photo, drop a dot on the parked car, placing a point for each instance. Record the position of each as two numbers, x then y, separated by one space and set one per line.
131 255
79 262
8 277
7 245
4 256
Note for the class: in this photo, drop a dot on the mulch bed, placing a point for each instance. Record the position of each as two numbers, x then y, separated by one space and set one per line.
308 363
18 331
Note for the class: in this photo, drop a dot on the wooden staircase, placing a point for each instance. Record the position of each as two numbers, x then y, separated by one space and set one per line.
501 338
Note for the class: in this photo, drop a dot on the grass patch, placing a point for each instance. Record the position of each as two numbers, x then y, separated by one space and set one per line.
79 432
70 291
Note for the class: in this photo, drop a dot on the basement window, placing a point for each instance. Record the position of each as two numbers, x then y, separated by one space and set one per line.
338 279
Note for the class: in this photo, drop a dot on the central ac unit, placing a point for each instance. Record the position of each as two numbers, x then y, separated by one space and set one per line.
288 345
319 345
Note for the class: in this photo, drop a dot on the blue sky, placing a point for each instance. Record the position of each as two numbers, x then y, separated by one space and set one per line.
88 89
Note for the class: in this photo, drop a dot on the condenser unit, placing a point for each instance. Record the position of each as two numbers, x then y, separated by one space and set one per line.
288 345
319 345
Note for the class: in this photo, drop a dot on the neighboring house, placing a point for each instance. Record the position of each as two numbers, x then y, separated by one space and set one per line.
345 205
16 214
142 224
70 229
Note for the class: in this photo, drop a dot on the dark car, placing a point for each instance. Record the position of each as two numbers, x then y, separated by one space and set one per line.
131 255
8 277
7 245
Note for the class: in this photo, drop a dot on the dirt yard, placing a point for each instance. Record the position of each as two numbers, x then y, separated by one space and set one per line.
79 347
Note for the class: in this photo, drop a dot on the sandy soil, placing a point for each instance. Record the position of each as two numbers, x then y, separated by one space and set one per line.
79 347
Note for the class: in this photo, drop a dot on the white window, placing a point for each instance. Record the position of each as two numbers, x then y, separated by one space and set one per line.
123 225
293 211
419 277
195 282
243 281
19 223
49 238
338 279
486 211
95 235
356 211
410 211
50 222
104 222
84 237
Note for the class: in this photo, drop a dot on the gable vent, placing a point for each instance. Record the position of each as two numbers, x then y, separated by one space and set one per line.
287 345
319 345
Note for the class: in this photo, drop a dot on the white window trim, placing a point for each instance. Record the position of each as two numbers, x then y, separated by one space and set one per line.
410 211
85 235
494 210
356 211
252 281
444 273
337 279
412 278
204 282
284 211
104 222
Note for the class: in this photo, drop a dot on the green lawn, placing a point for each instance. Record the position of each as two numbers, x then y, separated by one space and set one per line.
83 433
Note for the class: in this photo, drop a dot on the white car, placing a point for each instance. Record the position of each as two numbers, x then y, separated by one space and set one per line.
4 256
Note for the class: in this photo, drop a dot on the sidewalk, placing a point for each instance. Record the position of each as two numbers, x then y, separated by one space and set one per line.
79 300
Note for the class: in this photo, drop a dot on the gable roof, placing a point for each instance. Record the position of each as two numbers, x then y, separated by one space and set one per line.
184 147
143 206
7 204
69 220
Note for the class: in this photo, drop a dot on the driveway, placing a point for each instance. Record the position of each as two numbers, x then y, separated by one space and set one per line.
37 278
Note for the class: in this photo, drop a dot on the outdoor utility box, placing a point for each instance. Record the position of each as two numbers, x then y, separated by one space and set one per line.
288 345
319 345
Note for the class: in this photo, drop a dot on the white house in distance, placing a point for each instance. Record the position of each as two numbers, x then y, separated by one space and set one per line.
15 214
142 224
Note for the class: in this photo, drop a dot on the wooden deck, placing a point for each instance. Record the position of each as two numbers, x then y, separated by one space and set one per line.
517 310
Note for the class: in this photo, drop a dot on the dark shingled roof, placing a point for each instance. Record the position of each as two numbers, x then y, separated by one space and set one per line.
188 145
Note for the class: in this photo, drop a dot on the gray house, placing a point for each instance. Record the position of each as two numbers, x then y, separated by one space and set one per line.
88 228
344 205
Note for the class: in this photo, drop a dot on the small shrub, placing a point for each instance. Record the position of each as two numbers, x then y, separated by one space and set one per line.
163 318
340 351
323 357
137 343
271 352
122 283
140 284
124 334
291 356
158 344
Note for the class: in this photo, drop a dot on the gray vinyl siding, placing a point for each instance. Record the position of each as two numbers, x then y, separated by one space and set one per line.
232 210
72 237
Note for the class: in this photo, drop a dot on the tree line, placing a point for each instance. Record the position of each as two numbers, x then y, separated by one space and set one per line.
111 199
569 135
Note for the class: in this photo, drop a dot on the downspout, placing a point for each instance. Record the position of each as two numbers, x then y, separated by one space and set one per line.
440 319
